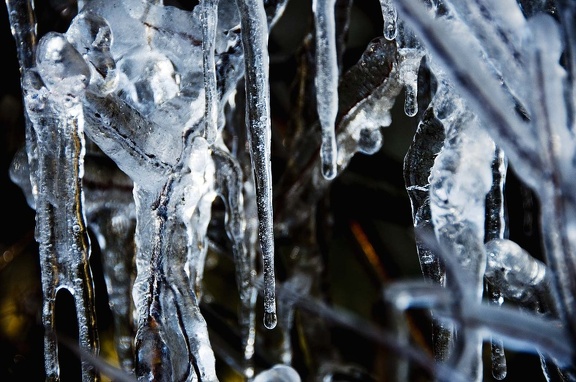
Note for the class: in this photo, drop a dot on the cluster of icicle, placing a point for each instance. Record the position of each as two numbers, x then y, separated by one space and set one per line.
147 86
504 94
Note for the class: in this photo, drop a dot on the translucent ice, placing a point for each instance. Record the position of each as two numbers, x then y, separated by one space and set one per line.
53 103
390 19
255 42
209 26
326 81
514 271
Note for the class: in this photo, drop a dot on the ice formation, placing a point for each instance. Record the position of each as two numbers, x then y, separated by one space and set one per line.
147 88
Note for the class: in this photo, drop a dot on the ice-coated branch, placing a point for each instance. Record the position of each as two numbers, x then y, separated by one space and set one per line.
519 331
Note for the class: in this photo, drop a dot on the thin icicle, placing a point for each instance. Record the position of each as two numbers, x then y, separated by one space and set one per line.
410 64
228 179
496 229
114 229
326 81
418 161
497 355
23 27
390 17
209 26
255 42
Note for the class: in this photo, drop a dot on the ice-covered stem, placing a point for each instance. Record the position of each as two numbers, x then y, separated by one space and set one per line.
557 150
255 42
153 356
52 99
23 26
326 82
209 26
369 331
519 331
518 275
166 305
529 149
496 229
567 13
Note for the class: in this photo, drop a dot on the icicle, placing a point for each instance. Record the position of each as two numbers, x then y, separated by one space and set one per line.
496 229
229 186
23 28
255 42
110 213
56 113
162 292
418 161
497 355
195 206
459 181
410 54
409 66
390 17
326 82
209 26
115 234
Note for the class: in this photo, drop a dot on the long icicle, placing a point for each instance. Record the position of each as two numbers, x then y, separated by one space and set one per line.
326 82
229 187
496 229
255 43
209 25
54 106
